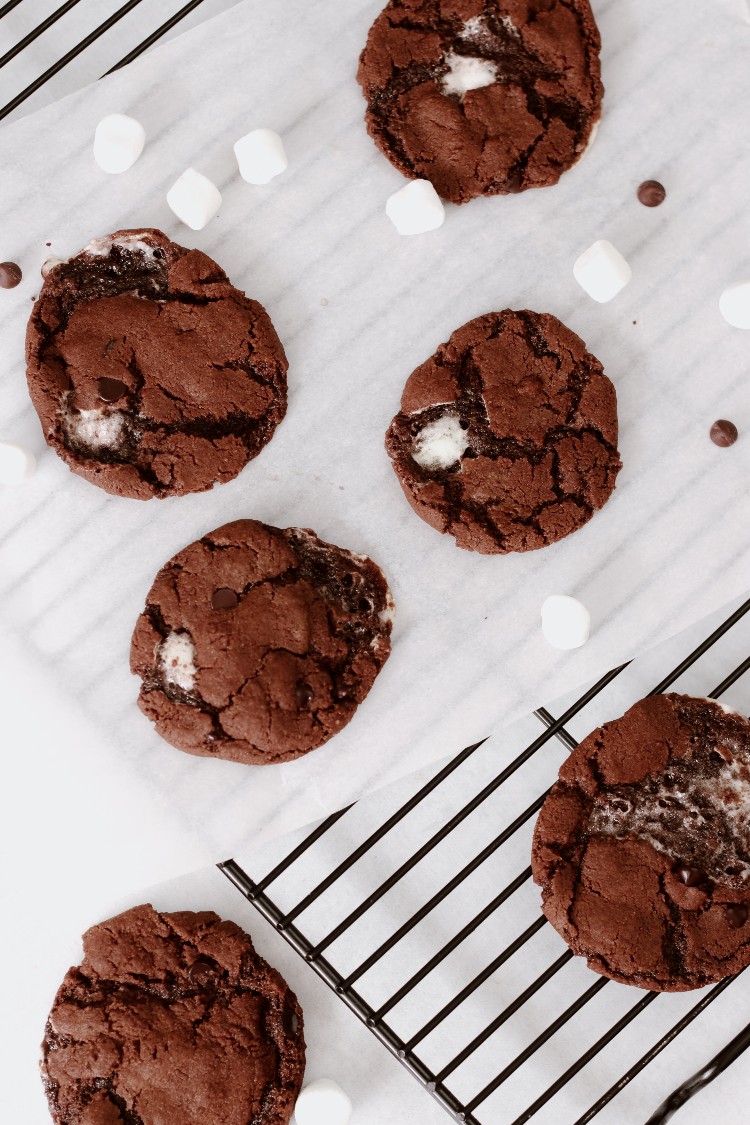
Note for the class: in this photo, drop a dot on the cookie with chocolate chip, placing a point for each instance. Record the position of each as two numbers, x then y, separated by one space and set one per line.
172 1018
482 97
642 848
258 644
507 436
151 374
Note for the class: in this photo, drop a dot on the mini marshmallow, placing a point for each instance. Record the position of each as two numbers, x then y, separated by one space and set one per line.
440 444
194 199
590 142
260 156
416 208
118 142
323 1102
177 659
602 271
466 72
566 623
734 304
97 428
16 463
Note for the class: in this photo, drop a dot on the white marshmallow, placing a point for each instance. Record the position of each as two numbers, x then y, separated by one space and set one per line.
465 72
440 444
475 29
416 208
734 304
118 142
590 142
16 463
260 156
743 9
323 1102
177 660
102 247
194 199
566 623
96 428
602 271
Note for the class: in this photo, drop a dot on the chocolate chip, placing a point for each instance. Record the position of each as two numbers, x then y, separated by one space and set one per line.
110 390
724 433
10 275
736 916
303 693
291 1022
202 972
158 252
651 193
224 598
690 876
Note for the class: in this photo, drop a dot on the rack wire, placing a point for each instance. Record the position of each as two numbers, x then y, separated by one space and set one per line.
100 29
295 897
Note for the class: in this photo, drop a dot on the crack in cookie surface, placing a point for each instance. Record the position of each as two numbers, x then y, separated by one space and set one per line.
539 421
482 97
151 374
162 996
274 638
641 848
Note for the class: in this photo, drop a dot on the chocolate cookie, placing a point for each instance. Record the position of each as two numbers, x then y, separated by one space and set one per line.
642 848
151 374
172 1019
258 645
482 97
507 435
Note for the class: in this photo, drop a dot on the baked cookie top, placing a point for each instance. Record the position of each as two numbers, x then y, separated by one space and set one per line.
151 374
507 436
258 644
642 848
482 97
172 1019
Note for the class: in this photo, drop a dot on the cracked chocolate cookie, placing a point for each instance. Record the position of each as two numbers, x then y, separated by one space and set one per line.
482 97
642 848
258 644
507 436
172 1019
151 374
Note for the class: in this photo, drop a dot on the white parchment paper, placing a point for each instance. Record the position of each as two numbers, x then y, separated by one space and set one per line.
357 308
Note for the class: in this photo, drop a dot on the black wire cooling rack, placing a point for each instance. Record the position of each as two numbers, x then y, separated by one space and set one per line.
296 898
36 32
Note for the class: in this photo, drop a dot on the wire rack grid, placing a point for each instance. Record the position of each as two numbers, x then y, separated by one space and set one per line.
477 1033
84 39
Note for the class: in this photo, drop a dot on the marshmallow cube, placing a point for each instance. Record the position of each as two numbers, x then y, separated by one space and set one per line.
322 1102
118 142
734 304
16 463
440 444
194 199
566 623
602 271
260 156
416 208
